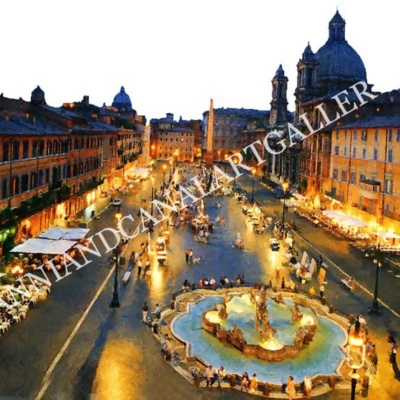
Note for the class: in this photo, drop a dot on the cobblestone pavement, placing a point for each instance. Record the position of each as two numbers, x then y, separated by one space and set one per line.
113 355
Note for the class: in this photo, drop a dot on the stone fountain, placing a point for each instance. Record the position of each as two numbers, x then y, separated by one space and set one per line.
265 346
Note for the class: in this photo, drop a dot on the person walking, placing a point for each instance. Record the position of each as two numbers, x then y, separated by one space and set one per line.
283 285
187 255
277 272
190 256
139 267
321 291
145 310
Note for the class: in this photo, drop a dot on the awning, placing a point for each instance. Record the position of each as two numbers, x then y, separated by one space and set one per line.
44 246
298 196
62 233
351 221
386 235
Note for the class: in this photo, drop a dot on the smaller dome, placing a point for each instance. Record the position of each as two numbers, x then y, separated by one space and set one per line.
37 91
37 96
122 100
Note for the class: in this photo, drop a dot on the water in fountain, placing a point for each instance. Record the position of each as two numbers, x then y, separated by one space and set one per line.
322 356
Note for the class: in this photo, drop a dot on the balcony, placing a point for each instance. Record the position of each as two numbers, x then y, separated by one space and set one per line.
369 194
370 189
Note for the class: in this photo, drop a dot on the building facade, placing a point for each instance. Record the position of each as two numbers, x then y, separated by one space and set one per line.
171 139
228 127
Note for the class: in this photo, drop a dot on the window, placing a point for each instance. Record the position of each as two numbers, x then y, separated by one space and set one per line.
25 149
375 153
6 151
344 176
4 188
388 184
337 135
353 176
398 135
15 185
24 183
390 135
364 135
345 134
49 148
376 135
345 151
16 150
354 152
364 153
47 177
35 148
362 175
41 148
335 173
355 135
390 155
336 150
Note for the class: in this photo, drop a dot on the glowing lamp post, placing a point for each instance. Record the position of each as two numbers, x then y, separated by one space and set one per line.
378 260
115 299
152 193
164 168
285 187
355 358
253 171
234 178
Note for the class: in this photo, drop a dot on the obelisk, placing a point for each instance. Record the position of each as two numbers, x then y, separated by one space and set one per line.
209 156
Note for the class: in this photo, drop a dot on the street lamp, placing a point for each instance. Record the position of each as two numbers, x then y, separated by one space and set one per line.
378 260
152 193
115 300
355 356
170 169
234 178
164 168
285 187
253 171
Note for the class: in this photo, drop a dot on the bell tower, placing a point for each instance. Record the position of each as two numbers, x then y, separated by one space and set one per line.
279 100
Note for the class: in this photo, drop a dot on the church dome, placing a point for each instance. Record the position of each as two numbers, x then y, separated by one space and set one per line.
337 59
122 100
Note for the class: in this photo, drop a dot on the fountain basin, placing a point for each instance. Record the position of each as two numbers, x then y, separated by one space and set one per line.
323 356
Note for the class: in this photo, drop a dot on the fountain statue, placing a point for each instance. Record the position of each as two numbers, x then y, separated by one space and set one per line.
279 299
236 337
299 337
222 313
252 295
262 295
297 315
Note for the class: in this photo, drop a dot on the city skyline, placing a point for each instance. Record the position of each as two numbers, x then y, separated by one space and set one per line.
173 57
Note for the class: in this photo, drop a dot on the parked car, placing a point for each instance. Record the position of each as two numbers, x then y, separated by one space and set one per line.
117 202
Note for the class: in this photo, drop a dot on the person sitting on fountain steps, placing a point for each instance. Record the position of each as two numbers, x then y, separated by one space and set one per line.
211 375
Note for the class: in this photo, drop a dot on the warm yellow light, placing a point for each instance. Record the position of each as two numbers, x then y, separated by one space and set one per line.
356 341
271 344
118 216
253 171
285 186
213 317
307 320
164 167
170 162
226 156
